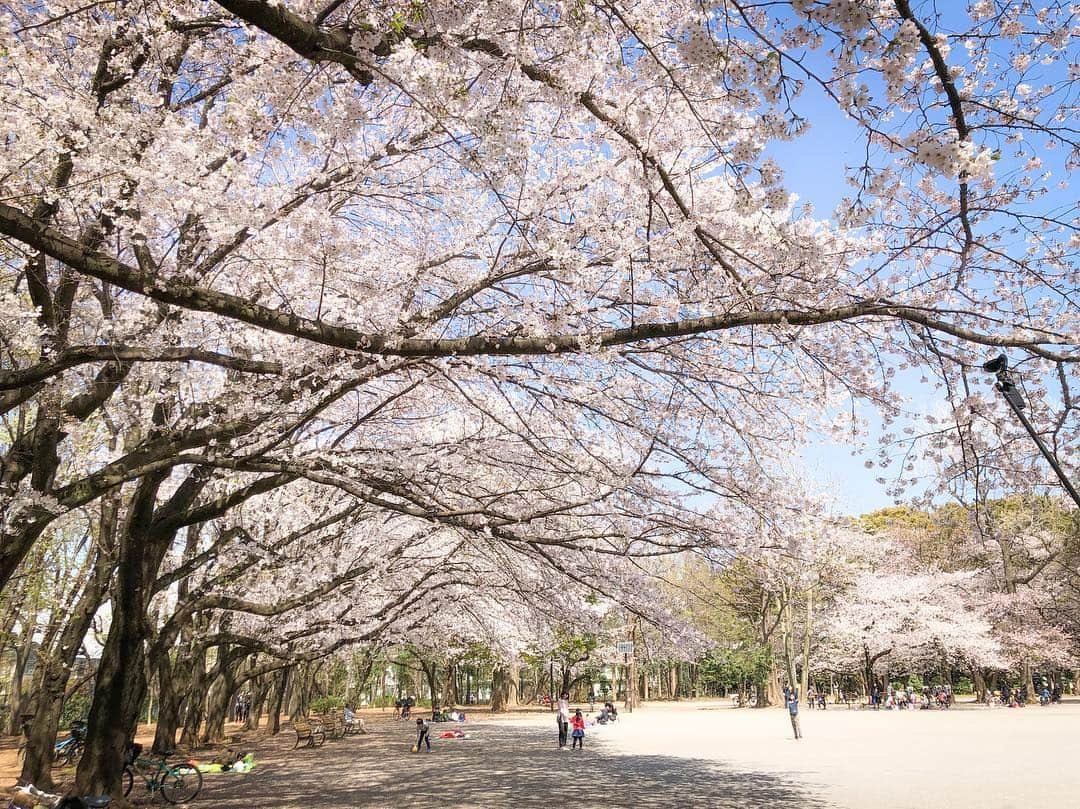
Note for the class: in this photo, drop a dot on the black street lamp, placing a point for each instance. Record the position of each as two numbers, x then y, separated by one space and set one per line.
999 367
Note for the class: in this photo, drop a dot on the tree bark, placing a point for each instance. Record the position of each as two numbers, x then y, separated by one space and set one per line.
196 702
220 697
500 689
258 701
279 699
1028 680
431 675
980 684
804 678
172 681
54 670
449 693
121 684
17 699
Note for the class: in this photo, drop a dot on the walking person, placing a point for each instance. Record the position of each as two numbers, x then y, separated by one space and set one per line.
577 722
563 718
793 712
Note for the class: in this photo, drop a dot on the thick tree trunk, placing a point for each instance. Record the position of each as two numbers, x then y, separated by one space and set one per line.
217 711
118 695
431 674
196 702
18 703
171 698
1028 681
279 699
261 688
54 670
448 696
500 689
220 698
980 684
513 697
121 683
768 690
43 730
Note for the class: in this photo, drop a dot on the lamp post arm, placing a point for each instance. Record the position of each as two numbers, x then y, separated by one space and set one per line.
1050 457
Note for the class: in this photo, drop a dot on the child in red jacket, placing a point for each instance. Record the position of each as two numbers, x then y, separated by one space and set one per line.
577 722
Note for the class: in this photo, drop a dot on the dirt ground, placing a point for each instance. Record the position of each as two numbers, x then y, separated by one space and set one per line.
678 754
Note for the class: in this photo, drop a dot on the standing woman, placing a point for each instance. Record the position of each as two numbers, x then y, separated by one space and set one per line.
563 718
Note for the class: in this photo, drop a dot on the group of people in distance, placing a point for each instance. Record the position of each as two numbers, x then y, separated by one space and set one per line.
1017 698
403 707
940 696
242 706
571 725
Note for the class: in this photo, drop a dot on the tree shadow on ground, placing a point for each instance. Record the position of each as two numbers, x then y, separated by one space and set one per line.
501 766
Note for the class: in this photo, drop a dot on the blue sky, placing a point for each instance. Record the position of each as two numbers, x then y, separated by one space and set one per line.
814 171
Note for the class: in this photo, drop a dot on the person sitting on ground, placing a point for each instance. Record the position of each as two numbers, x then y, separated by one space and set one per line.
439 715
602 717
613 714
577 722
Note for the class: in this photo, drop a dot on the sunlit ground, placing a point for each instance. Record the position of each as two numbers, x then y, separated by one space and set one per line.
697 754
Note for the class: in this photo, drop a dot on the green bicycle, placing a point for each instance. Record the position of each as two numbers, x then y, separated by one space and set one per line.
177 783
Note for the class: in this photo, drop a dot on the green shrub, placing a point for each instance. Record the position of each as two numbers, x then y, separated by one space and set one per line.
327 704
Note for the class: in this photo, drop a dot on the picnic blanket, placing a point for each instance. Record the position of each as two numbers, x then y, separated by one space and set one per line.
243 764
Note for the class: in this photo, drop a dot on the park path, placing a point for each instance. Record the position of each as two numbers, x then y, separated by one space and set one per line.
507 763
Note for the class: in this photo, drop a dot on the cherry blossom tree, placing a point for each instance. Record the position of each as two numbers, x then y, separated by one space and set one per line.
908 621
530 276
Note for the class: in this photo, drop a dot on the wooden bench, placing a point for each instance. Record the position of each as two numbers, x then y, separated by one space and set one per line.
331 725
314 735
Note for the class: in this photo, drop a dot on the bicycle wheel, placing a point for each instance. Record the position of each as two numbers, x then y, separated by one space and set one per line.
181 783
128 780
